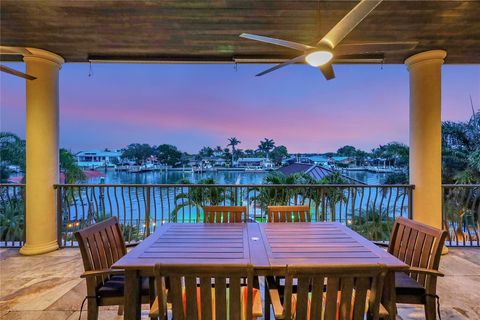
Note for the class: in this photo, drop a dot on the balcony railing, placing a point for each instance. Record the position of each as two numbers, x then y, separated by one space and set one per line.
12 215
368 209
141 208
461 214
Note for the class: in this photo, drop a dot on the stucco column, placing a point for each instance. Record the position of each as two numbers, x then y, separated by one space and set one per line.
426 135
42 160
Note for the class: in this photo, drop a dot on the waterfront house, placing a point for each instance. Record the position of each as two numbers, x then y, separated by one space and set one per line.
262 163
92 159
210 162
319 159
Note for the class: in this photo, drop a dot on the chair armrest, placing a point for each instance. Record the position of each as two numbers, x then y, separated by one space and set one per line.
430 272
103 272
272 291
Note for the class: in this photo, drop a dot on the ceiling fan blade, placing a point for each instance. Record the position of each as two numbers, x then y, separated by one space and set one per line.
16 73
359 58
284 64
369 47
14 50
349 22
327 71
278 42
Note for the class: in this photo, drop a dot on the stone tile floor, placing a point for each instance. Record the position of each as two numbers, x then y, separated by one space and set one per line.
48 287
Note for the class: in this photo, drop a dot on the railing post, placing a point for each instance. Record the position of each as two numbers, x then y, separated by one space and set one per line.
410 202
147 210
59 215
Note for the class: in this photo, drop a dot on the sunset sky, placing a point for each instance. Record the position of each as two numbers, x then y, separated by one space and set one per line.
191 106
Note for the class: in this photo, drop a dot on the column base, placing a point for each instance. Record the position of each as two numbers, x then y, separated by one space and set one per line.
30 250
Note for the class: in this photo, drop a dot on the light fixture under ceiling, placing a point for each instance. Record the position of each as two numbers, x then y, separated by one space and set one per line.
318 58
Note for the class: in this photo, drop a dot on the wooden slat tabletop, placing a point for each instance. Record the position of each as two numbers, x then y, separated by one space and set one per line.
190 244
265 246
321 244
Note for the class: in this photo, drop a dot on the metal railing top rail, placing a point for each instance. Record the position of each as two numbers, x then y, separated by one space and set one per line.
187 185
461 185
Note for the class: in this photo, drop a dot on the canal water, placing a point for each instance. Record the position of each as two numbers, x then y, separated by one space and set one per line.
220 177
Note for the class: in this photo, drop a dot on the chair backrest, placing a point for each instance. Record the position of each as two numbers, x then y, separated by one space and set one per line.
288 214
101 244
225 214
417 244
333 292
191 292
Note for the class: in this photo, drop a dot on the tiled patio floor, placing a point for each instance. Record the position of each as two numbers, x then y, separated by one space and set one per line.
48 287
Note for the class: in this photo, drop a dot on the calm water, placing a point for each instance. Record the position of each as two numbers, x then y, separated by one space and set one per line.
222 177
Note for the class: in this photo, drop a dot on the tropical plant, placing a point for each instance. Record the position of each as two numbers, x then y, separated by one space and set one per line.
12 152
278 154
396 153
194 197
461 209
266 145
372 223
461 151
69 167
233 142
12 216
333 195
269 196
205 152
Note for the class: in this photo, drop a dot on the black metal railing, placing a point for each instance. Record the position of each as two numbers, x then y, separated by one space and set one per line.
12 215
368 209
461 213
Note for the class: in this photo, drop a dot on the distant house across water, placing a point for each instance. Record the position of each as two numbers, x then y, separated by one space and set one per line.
97 158
254 163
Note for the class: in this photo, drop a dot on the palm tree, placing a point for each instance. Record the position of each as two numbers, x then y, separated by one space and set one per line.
194 198
281 196
233 142
266 145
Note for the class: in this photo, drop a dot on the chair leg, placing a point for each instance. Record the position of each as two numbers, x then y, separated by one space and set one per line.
120 310
152 294
92 312
430 310
267 302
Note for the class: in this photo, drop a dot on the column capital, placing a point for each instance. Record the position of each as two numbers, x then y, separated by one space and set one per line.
43 55
426 56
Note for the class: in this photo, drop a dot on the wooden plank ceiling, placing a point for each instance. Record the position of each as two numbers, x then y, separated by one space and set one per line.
208 30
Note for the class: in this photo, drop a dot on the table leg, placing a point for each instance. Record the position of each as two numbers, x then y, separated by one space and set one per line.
389 296
132 295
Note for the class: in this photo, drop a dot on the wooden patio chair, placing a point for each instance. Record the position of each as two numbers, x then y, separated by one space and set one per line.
101 245
288 214
328 292
225 214
206 292
420 246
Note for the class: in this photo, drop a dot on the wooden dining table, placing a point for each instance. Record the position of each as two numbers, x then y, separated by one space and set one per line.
268 247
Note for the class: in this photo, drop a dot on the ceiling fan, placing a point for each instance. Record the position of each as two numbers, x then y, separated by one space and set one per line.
328 49
15 51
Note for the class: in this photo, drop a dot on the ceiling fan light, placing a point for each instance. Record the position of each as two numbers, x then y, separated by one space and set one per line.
318 58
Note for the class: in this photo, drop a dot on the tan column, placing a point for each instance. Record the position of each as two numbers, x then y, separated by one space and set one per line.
426 135
42 161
